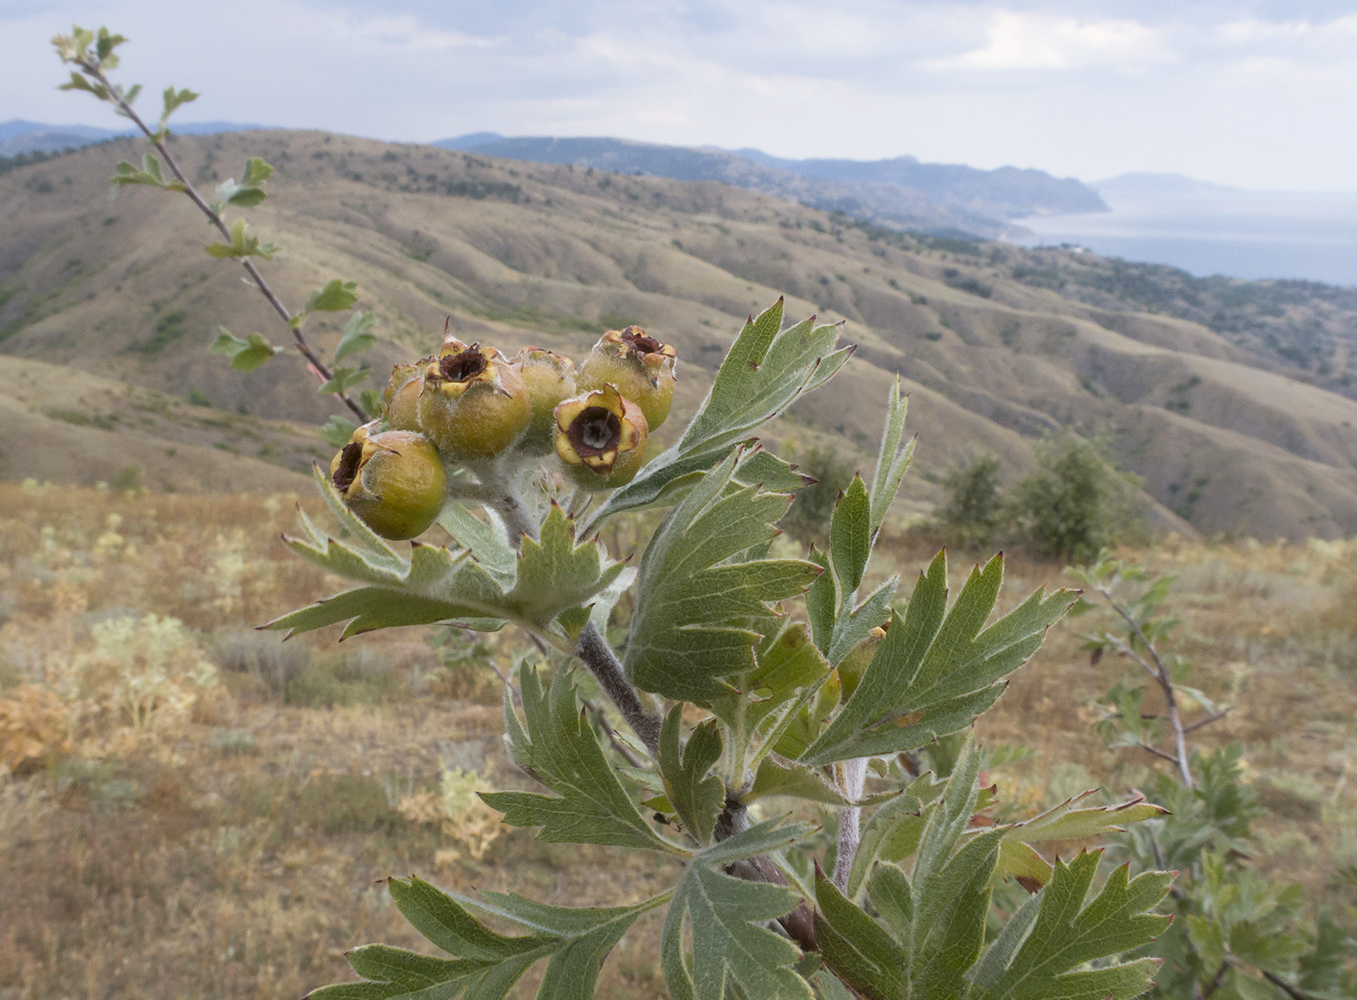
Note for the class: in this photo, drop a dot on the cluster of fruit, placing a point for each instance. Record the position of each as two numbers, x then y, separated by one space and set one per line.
470 406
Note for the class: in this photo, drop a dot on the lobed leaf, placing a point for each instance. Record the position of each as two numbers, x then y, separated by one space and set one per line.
696 795
732 953
589 804
486 964
357 336
698 616
1042 952
246 355
936 670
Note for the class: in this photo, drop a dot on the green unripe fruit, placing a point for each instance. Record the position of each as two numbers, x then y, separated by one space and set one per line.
601 439
401 397
394 481
550 380
473 404
639 366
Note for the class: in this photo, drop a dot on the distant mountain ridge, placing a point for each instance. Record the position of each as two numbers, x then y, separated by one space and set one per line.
901 192
19 136
1156 184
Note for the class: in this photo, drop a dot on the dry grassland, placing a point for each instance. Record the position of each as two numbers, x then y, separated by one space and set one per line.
195 810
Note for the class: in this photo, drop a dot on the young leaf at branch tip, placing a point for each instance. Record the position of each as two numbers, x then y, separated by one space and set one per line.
343 379
357 335
242 244
336 431
555 746
246 355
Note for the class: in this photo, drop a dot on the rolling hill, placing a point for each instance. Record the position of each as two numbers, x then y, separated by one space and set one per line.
1231 399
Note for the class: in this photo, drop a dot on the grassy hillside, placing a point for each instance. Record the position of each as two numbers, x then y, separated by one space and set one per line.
998 345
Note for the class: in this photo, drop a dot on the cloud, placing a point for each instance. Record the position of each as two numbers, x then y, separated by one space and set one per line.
1020 40
1249 92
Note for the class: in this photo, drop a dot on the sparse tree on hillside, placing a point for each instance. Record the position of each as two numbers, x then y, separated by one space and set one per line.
742 674
1076 503
973 514
808 518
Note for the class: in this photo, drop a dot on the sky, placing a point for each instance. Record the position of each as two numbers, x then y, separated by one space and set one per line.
1260 95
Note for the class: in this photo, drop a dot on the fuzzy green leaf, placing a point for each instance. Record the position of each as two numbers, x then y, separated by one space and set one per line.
852 627
337 296
357 336
486 964
1042 953
555 574
343 379
337 430
698 617
893 832
850 537
246 355
696 795
1065 821
892 461
764 373
765 370
435 584
485 541
822 603
589 806
934 920
731 951
241 245
936 670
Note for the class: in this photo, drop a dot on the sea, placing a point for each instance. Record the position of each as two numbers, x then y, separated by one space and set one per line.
1205 230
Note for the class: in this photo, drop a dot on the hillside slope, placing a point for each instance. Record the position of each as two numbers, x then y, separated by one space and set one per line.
995 351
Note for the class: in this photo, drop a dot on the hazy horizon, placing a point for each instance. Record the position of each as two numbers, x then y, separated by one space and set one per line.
1249 94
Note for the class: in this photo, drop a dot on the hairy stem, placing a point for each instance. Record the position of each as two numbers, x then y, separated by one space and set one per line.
800 923
852 776
603 663
317 366
507 502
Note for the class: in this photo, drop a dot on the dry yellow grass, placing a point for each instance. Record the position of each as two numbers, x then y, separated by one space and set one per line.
233 848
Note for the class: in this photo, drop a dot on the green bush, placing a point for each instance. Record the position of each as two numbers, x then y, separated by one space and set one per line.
974 513
1076 503
808 519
